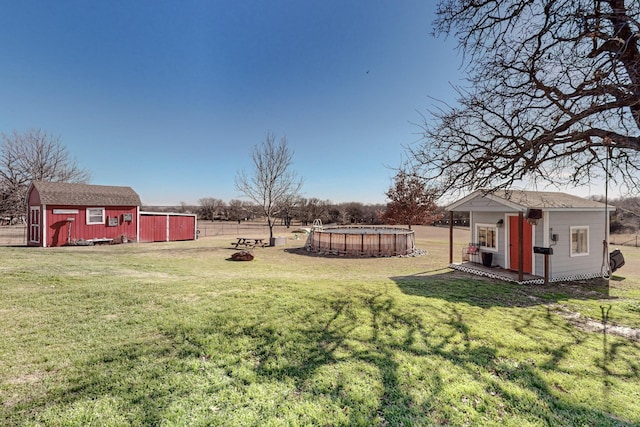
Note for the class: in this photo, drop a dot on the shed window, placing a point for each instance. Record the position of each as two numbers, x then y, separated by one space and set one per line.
579 241
487 236
95 216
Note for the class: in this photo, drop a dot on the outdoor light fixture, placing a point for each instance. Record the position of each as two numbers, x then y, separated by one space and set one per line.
533 215
500 223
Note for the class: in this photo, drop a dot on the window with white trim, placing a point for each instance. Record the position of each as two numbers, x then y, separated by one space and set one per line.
580 241
95 216
487 236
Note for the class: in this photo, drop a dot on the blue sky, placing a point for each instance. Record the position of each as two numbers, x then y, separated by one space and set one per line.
169 97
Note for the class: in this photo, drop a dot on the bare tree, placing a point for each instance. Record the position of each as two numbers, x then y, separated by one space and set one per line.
352 212
412 201
237 210
553 90
311 209
334 214
272 181
210 207
287 209
183 208
33 155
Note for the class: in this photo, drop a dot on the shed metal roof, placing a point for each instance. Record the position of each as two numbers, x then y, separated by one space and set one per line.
522 200
64 193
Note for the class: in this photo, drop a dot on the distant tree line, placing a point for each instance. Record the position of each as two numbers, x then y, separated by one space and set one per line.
299 211
626 218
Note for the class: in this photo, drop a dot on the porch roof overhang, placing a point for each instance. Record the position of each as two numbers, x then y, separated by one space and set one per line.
519 201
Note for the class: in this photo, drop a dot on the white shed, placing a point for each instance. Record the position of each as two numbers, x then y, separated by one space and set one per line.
512 230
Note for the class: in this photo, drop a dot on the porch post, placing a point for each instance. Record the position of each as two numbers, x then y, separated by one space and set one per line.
546 269
451 237
520 246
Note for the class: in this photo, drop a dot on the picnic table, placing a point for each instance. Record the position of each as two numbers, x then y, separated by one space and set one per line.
249 242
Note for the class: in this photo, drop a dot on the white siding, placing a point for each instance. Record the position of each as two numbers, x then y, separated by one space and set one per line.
562 264
538 240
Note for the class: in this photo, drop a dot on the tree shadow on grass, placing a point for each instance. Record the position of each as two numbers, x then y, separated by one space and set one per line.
460 287
365 358
445 340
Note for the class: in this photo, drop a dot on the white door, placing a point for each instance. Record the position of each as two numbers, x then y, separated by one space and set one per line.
34 224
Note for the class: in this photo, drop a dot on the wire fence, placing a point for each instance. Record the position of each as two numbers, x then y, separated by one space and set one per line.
13 235
244 229
17 234
625 240
212 229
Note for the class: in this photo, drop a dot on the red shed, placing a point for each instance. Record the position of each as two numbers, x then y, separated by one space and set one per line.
61 213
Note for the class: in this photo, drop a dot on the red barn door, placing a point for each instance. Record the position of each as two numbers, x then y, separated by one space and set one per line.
182 227
527 245
153 228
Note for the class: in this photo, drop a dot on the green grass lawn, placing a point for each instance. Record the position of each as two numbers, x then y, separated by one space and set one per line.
174 334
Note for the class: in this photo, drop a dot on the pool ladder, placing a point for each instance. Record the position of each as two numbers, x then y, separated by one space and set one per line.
317 225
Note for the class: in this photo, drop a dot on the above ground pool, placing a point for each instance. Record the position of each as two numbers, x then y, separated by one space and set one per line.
361 241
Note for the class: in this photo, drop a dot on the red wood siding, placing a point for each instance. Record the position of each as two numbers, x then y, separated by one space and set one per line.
153 228
182 227
163 227
59 230
34 197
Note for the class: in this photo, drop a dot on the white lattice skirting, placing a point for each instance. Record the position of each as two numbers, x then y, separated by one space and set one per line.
536 281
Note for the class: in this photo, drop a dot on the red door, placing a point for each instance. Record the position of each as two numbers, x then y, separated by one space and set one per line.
527 245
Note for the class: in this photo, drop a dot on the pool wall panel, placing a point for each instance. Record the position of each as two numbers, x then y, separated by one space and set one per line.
362 241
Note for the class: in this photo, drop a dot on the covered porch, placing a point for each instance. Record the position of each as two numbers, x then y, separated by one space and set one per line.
475 267
504 224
